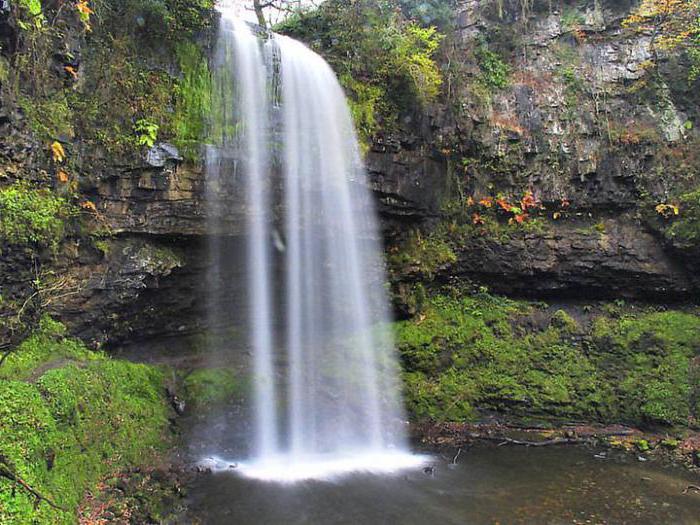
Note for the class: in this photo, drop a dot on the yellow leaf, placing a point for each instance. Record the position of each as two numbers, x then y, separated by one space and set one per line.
57 151
62 176
556 215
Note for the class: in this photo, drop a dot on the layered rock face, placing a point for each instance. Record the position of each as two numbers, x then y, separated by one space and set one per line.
575 125
582 124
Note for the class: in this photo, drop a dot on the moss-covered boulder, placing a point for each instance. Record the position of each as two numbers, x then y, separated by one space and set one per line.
69 417
470 353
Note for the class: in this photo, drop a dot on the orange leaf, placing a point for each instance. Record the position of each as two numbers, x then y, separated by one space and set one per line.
89 205
487 202
528 201
84 8
504 204
470 201
71 71
57 152
520 218
477 219
62 176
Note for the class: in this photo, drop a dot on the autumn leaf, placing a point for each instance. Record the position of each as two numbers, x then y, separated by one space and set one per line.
83 8
470 201
504 204
89 206
62 176
667 210
487 202
84 13
477 219
521 218
57 152
556 215
71 71
528 201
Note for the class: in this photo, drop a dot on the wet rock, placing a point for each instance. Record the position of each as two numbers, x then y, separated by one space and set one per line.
162 153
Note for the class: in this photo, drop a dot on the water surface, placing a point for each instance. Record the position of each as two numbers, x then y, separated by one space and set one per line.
489 485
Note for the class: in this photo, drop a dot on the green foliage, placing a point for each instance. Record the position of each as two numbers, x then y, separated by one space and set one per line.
123 91
494 71
473 352
189 16
146 132
32 215
648 360
31 14
685 230
132 93
155 22
386 62
412 48
564 322
62 433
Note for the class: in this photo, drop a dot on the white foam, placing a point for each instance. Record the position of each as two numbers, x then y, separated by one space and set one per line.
285 469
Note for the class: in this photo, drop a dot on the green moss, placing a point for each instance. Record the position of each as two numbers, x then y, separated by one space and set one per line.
423 254
212 386
648 361
364 100
73 425
48 343
50 118
564 322
427 253
193 100
31 215
476 351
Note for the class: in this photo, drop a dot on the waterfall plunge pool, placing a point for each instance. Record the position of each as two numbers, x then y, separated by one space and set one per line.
488 485
287 469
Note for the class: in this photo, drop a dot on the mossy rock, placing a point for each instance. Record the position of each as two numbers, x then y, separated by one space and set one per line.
466 353
210 387
78 418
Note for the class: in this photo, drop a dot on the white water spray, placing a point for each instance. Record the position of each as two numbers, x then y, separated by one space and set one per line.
326 383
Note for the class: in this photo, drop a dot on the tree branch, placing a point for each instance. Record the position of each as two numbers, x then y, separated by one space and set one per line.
7 473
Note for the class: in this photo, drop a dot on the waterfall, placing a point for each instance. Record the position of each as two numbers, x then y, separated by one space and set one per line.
326 390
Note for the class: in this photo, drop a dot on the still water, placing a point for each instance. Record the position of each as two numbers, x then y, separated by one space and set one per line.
488 485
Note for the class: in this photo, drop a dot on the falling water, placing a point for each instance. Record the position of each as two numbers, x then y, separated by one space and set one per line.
326 396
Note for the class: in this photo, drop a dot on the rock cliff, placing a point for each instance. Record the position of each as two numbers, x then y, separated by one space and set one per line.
553 105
